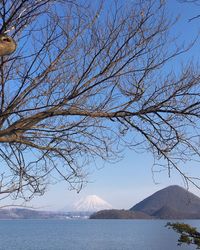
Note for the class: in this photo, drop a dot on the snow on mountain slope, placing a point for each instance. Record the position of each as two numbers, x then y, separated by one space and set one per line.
92 203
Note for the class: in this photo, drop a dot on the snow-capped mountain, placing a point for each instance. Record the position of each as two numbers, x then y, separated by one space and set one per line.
92 203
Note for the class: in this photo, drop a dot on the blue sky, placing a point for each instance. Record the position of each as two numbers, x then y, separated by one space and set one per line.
130 180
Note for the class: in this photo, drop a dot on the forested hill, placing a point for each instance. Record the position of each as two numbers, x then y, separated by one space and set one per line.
119 214
173 202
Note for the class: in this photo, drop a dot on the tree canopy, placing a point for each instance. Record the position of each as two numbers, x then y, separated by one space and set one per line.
86 81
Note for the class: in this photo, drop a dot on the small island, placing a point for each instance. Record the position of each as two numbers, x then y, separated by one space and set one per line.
119 214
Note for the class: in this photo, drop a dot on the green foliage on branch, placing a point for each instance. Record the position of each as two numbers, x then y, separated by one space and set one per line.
188 234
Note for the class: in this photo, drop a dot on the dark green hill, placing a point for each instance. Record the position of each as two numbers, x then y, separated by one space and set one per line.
119 214
173 202
169 213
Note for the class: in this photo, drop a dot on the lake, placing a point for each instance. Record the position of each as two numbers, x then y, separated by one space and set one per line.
89 235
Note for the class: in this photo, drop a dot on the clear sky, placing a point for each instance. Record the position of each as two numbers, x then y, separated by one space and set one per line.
131 179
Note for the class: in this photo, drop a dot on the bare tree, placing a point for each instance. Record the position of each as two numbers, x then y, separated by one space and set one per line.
196 2
85 82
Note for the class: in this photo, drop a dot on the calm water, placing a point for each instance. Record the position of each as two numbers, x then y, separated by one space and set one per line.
88 235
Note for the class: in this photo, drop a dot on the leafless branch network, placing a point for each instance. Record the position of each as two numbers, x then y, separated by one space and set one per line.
86 81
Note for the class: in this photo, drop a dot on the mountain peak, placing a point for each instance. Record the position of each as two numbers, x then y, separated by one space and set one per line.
92 203
171 200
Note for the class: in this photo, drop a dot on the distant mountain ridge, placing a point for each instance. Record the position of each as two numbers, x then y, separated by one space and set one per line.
173 202
23 213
